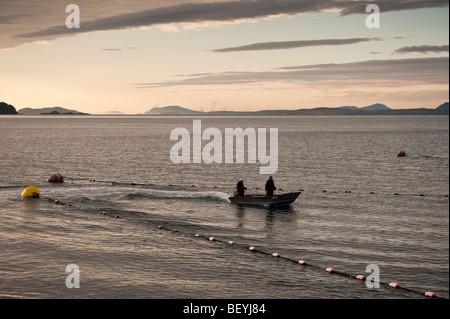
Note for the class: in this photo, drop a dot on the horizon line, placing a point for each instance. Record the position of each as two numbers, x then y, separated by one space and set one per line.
268 109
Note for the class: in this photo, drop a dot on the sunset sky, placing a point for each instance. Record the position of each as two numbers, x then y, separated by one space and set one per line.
130 56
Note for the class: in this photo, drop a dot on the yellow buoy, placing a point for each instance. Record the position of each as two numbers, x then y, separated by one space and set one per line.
31 191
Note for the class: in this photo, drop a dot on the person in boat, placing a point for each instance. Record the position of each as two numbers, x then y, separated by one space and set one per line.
270 186
241 188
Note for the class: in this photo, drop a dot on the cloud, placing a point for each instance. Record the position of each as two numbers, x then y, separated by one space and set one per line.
118 49
358 7
190 12
422 49
26 16
294 44
225 11
46 19
11 19
398 71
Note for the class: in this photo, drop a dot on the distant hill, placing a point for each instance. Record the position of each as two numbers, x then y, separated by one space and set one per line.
50 111
374 109
6 108
249 113
176 110
350 108
443 107
171 110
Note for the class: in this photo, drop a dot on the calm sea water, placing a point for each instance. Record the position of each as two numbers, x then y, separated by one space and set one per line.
360 205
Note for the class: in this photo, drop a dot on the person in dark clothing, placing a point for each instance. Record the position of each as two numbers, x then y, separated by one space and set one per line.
241 188
270 186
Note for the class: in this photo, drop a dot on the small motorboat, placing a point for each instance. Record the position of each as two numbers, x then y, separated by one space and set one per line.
281 199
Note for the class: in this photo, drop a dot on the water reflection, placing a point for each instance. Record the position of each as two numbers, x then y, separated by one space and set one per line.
273 214
31 204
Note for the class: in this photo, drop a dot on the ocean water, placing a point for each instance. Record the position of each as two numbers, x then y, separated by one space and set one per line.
128 217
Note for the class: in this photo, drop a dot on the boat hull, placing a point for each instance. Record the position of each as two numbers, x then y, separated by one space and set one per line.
282 199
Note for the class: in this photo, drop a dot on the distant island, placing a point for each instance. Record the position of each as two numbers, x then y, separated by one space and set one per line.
50 111
175 110
172 110
6 108
374 109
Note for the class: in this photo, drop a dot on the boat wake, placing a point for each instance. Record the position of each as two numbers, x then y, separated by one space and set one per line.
179 195
127 193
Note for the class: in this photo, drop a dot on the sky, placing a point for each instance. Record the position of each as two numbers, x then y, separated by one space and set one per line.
242 55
